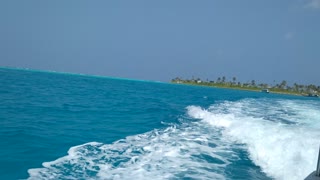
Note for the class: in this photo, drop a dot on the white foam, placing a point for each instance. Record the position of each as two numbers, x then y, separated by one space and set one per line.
305 112
282 149
159 154
279 136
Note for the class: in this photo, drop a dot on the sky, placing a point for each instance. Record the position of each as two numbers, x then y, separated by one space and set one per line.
265 40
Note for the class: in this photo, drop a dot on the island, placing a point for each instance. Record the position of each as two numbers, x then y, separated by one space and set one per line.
280 88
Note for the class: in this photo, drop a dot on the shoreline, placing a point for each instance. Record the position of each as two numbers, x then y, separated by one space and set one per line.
271 90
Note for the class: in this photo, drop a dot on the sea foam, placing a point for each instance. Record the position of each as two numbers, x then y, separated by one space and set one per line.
171 153
278 135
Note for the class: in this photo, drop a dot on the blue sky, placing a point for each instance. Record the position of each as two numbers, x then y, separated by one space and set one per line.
265 40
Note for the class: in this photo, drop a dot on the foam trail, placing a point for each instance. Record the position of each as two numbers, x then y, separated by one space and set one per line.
278 134
172 153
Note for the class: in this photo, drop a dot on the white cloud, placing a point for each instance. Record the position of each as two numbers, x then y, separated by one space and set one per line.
314 4
289 35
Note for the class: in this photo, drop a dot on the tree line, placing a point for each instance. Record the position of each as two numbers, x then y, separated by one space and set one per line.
283 86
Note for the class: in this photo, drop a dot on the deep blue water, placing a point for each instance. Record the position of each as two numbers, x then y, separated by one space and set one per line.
64 126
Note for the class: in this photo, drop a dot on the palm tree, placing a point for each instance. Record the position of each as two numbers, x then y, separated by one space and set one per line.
283 84
234 80
301 88
219 79
295 87
253 83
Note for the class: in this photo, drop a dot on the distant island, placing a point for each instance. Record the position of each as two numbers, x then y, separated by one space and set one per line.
281 88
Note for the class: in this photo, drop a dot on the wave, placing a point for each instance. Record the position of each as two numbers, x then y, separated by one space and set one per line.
282 137
275 134
172 153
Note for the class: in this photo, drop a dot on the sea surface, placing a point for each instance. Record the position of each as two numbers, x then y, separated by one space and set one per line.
66 126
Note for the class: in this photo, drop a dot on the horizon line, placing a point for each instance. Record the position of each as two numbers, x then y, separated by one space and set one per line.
78 74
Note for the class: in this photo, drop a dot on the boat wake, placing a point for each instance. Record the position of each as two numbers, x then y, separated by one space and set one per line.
207 144
172 153
282 137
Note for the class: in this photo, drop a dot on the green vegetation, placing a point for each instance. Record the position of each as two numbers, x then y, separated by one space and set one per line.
282 88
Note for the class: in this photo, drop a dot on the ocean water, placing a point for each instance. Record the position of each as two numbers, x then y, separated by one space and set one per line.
63 126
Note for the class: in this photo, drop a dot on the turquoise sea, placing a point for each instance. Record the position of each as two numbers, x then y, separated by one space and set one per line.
66 126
